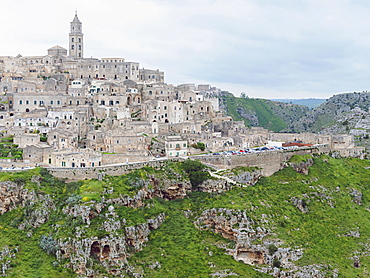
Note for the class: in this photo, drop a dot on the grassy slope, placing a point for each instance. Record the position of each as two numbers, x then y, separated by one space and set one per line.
183 251
271 115
320 232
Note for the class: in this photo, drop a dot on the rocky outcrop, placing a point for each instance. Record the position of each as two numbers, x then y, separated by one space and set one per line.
237 226
215 186
37 206
249 115
300 204
166 189
110 251
226 180
357 197
13 195
302 167
7 255
248 178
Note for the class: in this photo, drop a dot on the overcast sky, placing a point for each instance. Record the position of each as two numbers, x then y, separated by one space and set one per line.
265 48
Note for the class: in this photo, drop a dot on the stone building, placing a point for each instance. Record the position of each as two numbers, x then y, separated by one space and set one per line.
176 146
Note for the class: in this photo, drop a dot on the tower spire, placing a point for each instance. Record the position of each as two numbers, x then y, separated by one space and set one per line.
76 38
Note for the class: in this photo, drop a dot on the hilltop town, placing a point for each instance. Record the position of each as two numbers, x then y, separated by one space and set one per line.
65 110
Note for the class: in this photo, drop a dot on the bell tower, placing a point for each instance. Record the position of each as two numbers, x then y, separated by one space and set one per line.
76 39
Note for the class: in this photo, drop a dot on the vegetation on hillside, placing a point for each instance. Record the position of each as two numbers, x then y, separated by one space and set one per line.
331 112
333 230
264 113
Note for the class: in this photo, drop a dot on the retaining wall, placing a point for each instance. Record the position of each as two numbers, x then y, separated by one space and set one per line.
269 161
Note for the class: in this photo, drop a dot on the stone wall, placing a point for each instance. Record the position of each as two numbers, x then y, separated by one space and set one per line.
73 174
108 159
270 161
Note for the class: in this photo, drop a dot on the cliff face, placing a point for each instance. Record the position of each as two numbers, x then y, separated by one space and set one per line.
110 251
235 225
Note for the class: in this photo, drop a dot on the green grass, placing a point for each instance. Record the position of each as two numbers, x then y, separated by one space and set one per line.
271 115
300 158
30 261
184 251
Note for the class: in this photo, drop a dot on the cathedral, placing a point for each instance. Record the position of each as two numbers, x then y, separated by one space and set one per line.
73 64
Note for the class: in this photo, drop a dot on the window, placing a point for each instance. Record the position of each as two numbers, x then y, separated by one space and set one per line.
72 47
51 102
63 163
73 39
58 102
20 102
35 102
27 101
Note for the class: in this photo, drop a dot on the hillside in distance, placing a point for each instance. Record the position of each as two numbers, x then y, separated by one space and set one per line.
309 102
171 222
333 115
272 115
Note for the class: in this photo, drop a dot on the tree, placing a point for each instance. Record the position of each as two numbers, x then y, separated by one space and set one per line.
243 95
195 171
196 178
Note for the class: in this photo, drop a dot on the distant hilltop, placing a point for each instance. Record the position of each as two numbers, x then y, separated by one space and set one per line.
310 102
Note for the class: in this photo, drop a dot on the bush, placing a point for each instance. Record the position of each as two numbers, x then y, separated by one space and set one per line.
48 244
272 249
196 178
195 171
276 263
200 146
192 166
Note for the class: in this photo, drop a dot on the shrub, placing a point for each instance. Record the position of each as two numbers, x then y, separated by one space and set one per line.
197 177
200 146
276 263
48 244
192 166
195 171
272 249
